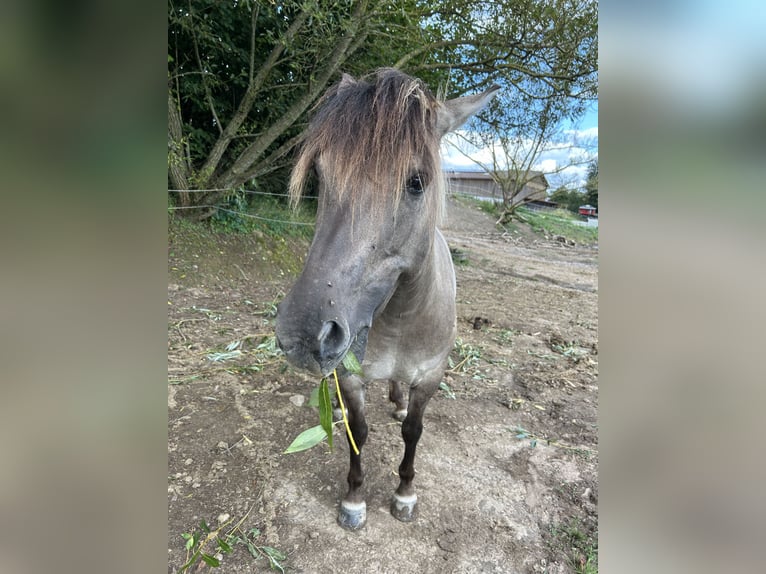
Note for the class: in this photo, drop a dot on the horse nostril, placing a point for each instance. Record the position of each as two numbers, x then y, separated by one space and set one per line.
333 339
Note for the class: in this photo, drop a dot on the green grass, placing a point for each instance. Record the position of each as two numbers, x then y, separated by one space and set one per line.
578 546
488 207
235 247
267 214
558 222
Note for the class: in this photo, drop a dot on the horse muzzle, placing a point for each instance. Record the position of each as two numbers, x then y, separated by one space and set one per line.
319 350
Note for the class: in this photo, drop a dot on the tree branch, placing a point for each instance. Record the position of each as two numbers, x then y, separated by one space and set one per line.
254 86
208 94
237 173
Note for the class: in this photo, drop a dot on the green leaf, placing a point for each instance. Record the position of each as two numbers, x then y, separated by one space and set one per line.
254 532
223 545
210 560
352 364
274 557
203 525
274 553
325 410
252 549
307 439
189 540
445 387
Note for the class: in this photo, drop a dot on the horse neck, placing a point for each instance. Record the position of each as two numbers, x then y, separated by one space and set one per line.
432 283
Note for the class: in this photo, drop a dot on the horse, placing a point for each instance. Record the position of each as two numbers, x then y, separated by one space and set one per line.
378 279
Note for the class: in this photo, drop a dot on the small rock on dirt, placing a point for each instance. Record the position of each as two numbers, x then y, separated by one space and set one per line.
298 400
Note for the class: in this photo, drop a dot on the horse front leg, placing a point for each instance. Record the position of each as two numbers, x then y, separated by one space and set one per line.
353 509
403 505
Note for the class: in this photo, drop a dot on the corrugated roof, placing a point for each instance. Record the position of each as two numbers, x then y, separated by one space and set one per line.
483 175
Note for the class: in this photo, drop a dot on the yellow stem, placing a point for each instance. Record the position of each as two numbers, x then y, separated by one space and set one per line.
343 412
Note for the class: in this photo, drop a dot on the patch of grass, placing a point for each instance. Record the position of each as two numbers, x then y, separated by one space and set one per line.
267 214
558 222
491 207
578 545
207 251
459 257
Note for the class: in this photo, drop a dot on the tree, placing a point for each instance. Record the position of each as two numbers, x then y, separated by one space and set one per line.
514 144
511 156
591 184
244 73
570 199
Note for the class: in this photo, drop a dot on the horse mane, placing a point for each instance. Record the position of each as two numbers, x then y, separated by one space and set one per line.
373 129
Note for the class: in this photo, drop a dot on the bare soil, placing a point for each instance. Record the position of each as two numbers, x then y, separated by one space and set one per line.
492 498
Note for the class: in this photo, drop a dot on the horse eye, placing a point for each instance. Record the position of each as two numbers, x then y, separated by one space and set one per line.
415 185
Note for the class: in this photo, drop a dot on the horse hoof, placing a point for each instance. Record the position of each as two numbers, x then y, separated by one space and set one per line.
352 515
400 415
404 508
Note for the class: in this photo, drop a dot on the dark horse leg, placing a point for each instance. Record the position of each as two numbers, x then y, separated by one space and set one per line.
353 510
396 397
404 503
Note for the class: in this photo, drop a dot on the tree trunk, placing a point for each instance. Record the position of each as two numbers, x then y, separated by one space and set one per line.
178 166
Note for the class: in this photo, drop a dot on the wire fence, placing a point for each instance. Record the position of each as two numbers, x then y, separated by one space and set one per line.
239 213
250 191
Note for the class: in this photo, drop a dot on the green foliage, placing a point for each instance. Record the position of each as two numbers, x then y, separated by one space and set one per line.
231 217
569 198
591 184
274 556
459 257
322 398
491 207
467 357
206 545
244 213
242 76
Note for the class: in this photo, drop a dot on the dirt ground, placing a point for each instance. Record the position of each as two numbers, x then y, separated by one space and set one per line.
507 468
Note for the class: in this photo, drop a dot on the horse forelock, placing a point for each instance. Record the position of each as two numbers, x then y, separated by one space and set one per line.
373 130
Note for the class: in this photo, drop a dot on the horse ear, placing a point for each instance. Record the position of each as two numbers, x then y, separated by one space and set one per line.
346 81
454 113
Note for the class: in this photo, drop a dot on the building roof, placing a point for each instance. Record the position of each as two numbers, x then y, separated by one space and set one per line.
537 176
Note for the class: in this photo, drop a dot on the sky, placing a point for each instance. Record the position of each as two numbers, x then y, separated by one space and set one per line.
564 162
